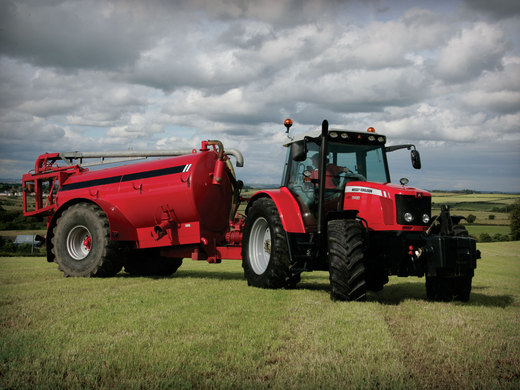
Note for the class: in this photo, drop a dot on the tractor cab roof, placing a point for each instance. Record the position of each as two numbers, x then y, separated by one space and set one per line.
342 135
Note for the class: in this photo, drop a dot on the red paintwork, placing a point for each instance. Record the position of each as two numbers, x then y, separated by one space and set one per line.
186 213
188 208
378 207
287 207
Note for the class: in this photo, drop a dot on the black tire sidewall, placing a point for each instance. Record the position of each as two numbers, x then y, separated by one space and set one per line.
347 272
276 275
80 215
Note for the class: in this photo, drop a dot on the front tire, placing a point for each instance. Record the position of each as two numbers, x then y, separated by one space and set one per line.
346 251
264 247
81 242
450 288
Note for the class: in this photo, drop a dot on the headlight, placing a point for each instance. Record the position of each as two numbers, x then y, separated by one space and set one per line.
408 217
425 218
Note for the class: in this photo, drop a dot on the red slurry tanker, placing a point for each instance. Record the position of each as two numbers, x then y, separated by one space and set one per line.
335 210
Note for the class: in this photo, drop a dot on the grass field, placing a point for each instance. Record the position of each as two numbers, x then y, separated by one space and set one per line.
477 230
205 328
480 205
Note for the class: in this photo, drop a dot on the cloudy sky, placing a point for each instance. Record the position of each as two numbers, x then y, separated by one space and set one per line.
112 75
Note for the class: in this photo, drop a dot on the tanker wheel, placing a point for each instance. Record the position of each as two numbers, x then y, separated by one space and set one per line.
346 251
264 248
148 262
81 242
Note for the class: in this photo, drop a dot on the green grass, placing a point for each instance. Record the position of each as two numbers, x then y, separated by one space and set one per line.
477 230
205 328
502 199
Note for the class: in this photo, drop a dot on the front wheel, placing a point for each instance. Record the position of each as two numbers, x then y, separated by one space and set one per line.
81 242
346 251
264 247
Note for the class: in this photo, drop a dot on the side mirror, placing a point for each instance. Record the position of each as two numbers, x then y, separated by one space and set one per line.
298 151
416 159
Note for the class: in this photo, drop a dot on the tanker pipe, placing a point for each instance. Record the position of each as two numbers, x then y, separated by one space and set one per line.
159 231
220 148
238 156
229 152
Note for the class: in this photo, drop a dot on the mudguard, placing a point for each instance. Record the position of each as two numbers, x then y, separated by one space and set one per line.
287 206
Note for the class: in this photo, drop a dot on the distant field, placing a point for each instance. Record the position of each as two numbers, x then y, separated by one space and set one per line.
477 230
491 198
480 205
205 328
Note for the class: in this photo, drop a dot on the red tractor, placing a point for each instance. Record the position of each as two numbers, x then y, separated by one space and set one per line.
336 210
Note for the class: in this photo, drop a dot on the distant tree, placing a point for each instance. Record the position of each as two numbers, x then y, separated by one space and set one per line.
500 237
485 237
514 215
471 218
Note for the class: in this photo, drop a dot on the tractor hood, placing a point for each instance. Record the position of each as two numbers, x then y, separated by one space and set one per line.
389 206
385 190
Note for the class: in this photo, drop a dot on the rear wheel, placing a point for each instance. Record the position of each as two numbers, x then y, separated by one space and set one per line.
264 247
148 262
346 247
81 242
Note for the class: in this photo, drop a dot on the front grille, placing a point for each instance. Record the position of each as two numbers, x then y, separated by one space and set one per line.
413 205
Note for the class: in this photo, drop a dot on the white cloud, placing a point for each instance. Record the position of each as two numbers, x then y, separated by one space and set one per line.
475 50
117 74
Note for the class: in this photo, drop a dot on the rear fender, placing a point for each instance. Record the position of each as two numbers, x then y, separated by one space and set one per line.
287 206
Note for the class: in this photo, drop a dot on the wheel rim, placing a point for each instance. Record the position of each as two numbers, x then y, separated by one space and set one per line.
79 242
260 246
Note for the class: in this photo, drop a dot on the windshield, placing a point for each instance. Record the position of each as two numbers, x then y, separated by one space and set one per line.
364 162
345 163
367 161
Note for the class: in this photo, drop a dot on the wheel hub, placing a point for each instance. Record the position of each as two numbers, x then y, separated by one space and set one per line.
79 242
260 246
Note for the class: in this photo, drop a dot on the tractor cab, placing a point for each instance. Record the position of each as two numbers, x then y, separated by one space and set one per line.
349 157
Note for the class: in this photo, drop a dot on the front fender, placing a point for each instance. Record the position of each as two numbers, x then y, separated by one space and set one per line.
288 208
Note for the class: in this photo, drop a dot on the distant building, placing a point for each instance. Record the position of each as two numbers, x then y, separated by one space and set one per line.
32 239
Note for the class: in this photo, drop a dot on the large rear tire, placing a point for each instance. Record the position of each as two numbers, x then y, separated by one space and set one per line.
346 251
81 243
148 262
264 247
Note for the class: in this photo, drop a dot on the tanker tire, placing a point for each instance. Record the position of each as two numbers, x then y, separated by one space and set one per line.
81 243
148 262
264 248
346 252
